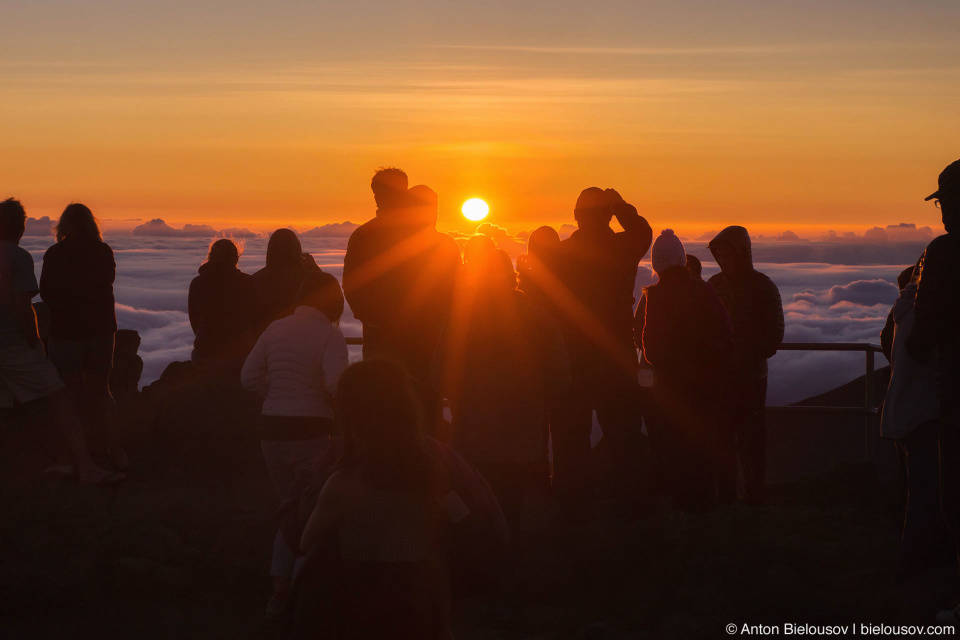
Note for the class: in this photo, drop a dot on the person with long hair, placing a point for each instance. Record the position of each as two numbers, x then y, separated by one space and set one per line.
383 511
76 283
224 309
295 366
279 281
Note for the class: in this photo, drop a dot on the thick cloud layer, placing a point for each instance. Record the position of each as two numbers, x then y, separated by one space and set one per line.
822 302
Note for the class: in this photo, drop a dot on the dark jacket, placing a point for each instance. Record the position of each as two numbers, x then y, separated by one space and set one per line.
277 286
77 284
501 359
937 311
753 302
398 280
224 309
686 333
598 271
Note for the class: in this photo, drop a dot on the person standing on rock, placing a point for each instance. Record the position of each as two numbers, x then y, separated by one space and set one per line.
295 366
76 282
753 302
26 376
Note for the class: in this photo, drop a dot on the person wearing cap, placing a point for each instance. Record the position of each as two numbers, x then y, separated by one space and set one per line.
686 336
756 311
935 334
597 269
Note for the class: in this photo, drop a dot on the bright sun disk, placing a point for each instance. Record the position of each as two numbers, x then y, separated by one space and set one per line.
475 209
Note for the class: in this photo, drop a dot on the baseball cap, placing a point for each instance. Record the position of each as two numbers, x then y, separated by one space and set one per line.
949 180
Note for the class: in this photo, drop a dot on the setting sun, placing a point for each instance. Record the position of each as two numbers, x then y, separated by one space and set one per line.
475 209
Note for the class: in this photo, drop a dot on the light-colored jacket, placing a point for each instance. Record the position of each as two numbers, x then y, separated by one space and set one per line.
911 397
296 364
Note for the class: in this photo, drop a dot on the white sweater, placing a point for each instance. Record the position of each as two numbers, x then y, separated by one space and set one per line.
296 364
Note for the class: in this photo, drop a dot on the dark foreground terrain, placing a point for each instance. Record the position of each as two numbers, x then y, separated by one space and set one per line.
181 550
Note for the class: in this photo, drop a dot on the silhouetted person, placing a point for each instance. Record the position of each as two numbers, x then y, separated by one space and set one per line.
295 366
224 309
478 247
694 266
911 412
26 376
597 270
687 337
76 282
500 361
382 513
886 334
753 302
398 278
279 281
935 334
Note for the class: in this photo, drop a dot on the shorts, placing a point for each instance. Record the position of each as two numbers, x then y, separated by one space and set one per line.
89 354
25 375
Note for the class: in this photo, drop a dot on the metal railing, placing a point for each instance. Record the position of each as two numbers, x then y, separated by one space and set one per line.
869 411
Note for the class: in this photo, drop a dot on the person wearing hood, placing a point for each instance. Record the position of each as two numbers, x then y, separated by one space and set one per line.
596 276
910 417
279 281
686 336
398 278
935 338
753 302
224 309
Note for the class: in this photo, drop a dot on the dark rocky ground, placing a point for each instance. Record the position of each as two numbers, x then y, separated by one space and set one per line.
181 549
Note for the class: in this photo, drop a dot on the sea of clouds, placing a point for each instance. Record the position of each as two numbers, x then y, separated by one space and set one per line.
836 288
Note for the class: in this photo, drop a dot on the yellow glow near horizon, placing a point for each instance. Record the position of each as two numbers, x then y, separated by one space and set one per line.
475 209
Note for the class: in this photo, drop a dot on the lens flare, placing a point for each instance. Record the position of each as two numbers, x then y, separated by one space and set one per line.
475 209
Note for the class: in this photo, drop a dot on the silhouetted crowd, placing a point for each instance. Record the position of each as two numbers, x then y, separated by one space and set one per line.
389 504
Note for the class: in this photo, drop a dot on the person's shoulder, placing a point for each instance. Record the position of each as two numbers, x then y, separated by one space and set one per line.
761 279
715 280
22 256
943 244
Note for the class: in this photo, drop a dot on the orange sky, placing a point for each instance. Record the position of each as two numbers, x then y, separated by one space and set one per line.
804 116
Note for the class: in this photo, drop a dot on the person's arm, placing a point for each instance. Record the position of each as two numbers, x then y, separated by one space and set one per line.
886 337
328 513
639 317
929 308
107 266
27 319
636 228
253 375
335 361
771 320
49 280
653 336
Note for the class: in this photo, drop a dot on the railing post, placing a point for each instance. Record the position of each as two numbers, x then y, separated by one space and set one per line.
867 404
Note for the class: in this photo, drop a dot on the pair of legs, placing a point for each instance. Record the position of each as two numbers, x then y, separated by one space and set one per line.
743 434
30 379
926 543
616 402
688 444
284 460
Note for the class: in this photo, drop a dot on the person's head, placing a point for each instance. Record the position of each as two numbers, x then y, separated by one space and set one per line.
321 291
380 419
694 266
13 220
498 273
77 223
284 248
667 252
423 204
389 187
731 248
947 196
905 276
477 248
593 209
223 252
543 242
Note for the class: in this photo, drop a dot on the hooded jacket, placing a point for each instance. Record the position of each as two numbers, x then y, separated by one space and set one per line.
911 397
753 302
